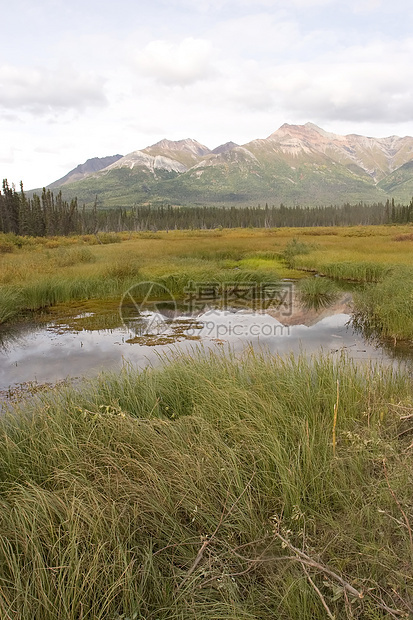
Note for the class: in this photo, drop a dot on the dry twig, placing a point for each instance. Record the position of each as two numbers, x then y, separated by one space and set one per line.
318 592
308 561
395 613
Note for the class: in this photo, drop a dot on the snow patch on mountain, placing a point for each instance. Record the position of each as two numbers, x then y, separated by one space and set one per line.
143 160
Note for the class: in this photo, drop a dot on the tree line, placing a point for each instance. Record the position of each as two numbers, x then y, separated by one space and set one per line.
45 215
50 215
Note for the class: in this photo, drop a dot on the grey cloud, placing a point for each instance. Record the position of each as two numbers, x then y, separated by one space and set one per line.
377 88
41 91
8 116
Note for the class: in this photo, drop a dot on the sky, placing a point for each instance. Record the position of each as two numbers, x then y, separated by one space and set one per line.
91 78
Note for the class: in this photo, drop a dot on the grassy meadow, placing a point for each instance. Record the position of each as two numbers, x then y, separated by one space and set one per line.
45 272
40 272
211 489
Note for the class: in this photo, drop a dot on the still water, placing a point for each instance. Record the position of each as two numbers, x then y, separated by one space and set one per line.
85 338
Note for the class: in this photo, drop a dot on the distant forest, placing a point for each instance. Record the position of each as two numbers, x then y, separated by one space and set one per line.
49 215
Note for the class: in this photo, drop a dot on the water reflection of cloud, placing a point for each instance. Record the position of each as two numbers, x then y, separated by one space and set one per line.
49 353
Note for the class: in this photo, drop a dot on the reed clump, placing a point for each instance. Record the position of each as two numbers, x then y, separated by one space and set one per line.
122 269
404 237
73 256
363 271
186 491
6 247
315 293
11 304
384 309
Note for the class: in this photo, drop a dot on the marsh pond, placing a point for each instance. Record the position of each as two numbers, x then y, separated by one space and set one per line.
83 338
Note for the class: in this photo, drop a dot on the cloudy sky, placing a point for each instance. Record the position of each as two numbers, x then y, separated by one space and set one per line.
86 78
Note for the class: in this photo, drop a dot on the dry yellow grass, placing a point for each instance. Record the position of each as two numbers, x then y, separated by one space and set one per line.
84 265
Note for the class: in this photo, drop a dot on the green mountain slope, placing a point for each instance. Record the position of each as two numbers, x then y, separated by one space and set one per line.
399 183
297 164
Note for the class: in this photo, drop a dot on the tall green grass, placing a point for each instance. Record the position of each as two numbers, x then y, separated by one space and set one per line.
316 293
161 494
364 271
119 277
386 309
114 278
48 292
11 303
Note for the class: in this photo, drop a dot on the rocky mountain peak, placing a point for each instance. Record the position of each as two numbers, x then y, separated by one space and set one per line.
189 145
296 164
224 148
309 132
83 170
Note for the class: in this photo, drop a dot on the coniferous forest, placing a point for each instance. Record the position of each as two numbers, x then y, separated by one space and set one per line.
50 215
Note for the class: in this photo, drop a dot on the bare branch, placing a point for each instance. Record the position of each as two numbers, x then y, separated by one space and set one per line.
306 559
321 597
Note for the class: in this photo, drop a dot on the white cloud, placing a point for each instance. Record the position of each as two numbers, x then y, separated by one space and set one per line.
236 5
177 64
107 78
6 155
44 90
363 83
261 35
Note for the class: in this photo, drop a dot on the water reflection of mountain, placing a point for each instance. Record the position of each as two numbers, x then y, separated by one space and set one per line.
300 315
85 339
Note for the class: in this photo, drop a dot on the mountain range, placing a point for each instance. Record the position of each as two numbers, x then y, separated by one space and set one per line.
297 164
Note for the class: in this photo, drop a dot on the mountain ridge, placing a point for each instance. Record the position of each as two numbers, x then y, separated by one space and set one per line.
91 165
296 164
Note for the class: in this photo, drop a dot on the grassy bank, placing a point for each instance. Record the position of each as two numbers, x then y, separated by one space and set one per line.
36 273
359 253
55 271
385 310
211 489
